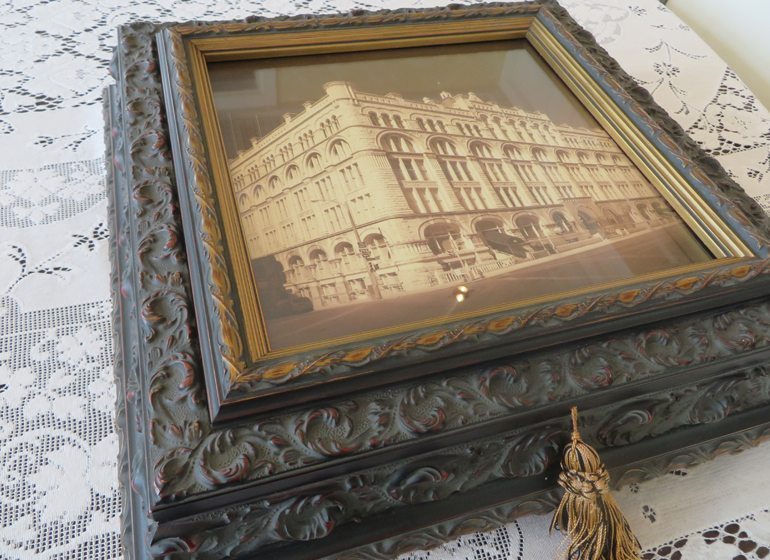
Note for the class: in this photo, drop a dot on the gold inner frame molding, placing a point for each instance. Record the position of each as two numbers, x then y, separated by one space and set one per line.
710 229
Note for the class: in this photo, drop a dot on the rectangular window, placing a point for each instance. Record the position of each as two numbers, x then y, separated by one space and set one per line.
359 176
421 169
467 171
394 164
408 165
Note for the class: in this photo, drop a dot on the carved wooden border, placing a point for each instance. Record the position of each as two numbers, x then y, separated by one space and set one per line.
173 459
172 373
529 454
401 357
472 396
429 537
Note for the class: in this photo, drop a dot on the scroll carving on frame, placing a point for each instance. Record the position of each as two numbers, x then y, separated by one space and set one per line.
354 223
356 258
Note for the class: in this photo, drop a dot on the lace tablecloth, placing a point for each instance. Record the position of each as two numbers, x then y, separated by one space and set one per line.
58 486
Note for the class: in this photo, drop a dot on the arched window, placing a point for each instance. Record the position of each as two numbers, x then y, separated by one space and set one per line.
397 143
562 156
373 117
420 123
273 183
611 217
443 147
561 222
642 208
454 166
378 247
529 226
512 152
588 221
406 164
399 122
292 173
313 163
538 154
318 256
339 150
481 150
661 209
444 237
295 261
344 250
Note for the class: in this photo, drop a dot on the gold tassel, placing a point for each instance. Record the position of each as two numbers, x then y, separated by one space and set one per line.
588 513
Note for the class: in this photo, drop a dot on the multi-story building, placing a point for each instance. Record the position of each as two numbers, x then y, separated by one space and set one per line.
370 196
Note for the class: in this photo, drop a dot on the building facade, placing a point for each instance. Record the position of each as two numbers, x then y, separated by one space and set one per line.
364 196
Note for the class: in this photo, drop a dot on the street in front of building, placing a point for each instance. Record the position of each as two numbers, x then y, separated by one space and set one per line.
656 249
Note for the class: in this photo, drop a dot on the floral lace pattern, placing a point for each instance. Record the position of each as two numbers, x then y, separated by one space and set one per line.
29 197
58 485
747 538
58 496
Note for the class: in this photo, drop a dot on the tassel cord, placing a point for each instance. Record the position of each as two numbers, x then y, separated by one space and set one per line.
588 512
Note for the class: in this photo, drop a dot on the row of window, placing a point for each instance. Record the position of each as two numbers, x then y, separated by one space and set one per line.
339 150
385 119
498 128
352 289
344 253
305 141
509 130
332 219
445 147
324 189
427 198
589 142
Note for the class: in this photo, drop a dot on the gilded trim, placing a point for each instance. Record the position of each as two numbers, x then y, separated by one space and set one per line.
212 246
251 369
171 451
705 223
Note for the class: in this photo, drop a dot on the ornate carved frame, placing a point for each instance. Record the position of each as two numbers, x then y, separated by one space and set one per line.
462 450
245 377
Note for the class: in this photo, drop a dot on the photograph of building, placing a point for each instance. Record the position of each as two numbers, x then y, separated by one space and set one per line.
364 197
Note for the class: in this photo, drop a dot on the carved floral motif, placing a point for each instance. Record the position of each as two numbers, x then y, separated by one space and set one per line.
466 468
162 393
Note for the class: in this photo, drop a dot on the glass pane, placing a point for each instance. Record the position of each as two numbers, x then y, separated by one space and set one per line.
372 185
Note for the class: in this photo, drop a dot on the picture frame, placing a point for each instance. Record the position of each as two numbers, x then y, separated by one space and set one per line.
245 375
667 372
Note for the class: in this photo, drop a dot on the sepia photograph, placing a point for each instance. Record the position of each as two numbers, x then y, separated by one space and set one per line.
389 190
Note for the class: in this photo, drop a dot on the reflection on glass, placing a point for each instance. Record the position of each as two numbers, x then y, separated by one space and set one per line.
372 186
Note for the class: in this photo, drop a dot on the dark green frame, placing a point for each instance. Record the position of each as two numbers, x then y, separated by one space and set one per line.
455 451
